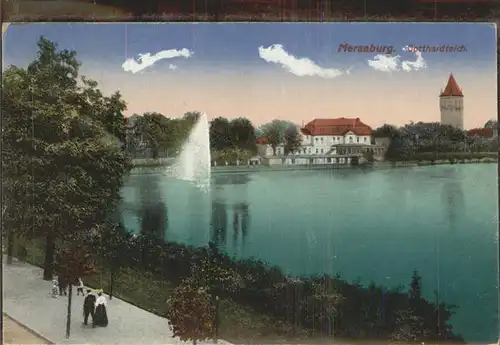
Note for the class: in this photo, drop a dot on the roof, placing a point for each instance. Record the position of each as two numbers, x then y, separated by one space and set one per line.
481 132
262 141
452 88
339 126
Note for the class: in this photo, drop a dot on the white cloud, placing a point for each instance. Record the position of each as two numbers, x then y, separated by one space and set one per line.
148 60
388 63
414 65
172 67
301 67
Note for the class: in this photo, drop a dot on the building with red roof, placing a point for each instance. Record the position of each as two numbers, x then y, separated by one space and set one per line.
451 104
324 141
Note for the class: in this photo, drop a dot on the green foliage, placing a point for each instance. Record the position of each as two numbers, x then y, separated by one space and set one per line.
292 139
190 313
242 134
63 165
220 134
322 305
421 139
274 131
231 156
73 262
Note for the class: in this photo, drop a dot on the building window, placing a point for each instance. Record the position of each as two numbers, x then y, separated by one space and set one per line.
322 139
350 139
316 150
357 139
364 139
321 150
328 160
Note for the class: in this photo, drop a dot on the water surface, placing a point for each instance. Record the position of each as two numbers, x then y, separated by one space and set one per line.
371 225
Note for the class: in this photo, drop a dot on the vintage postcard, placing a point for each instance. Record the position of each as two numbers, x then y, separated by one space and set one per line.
251 183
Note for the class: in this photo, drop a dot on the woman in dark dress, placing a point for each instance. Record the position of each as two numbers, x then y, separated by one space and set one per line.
101 315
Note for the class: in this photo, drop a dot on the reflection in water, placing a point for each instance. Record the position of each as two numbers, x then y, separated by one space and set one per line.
152 211
245 220
230 179
452 196
154 219
219 223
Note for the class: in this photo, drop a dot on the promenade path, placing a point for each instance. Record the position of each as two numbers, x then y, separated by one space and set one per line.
26 299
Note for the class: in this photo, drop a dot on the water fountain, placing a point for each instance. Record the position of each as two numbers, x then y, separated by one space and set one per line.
194 162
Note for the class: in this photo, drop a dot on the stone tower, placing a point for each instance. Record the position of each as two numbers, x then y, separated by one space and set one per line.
451 104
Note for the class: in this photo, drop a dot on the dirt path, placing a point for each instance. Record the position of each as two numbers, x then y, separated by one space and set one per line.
14 333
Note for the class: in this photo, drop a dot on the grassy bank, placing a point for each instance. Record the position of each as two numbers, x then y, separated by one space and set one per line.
238 324
267 306
451 157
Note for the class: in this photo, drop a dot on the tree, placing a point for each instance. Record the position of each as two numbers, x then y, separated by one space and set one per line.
293 139
385 131
59 161
491 124
242 134
273 131
191 118
220 134
73 262
113 245
190 313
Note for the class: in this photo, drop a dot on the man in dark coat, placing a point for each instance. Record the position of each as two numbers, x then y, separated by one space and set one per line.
88 306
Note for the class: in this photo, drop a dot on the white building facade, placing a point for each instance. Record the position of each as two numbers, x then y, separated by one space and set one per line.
451 104
324 141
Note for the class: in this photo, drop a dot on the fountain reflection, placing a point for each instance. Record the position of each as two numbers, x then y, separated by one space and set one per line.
230 179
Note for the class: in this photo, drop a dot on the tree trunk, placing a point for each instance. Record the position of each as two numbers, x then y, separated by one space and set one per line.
10 246
68 317
111 279
48 266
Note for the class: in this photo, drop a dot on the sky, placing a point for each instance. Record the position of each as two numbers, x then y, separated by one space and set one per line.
289 71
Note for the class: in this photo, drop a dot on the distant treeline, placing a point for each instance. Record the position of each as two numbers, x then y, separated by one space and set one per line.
432 140
154 135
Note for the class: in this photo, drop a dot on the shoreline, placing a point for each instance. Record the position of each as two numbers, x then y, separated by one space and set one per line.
159 166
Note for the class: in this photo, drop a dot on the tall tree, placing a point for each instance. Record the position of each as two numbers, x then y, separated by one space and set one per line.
292 139
220 134
243 134
273 132
58 160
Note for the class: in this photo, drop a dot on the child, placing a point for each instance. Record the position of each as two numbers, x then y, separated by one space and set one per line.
80 287
55 289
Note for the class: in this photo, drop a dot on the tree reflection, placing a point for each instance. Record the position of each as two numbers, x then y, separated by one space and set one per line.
452 196
219 223
154 219
152 210
453 199
241 221
230 179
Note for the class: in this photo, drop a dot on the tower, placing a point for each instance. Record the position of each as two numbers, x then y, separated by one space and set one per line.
451 104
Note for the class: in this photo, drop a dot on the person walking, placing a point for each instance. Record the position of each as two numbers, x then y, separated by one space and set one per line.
89 307
101 315
62 286
80 287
